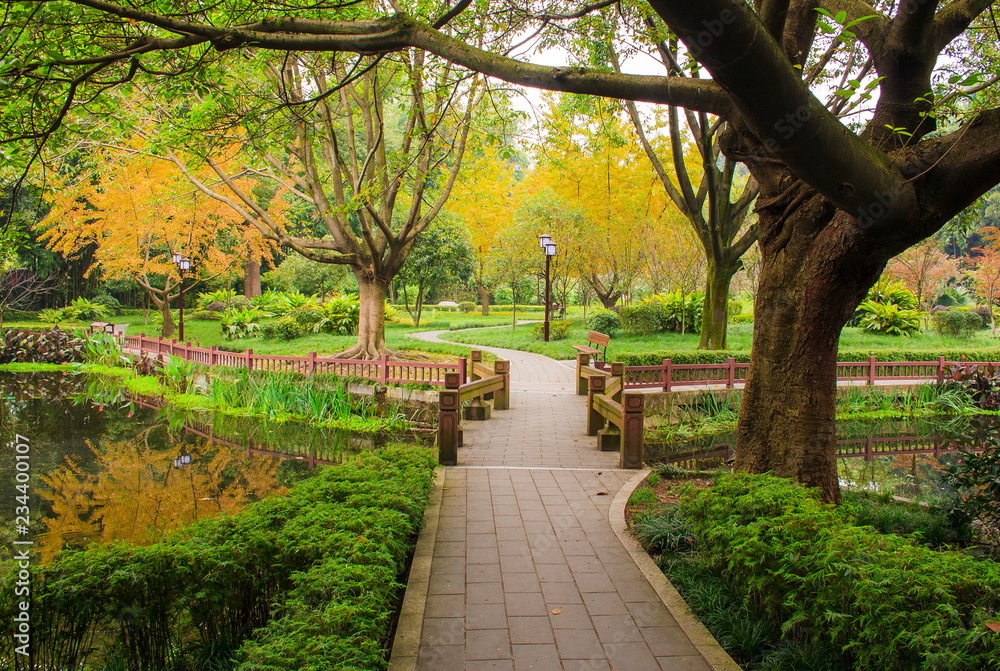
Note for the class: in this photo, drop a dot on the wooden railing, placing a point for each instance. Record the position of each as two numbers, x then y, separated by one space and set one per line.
669 376
382 370
615 416
486 384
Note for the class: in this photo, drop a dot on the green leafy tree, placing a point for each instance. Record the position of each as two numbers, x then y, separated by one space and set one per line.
441 256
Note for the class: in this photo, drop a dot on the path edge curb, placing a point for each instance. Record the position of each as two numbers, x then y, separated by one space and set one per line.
406 642
700 636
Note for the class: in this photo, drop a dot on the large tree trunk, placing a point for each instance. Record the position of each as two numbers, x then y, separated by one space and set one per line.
484 297
810 285
251 278
371 320
715 314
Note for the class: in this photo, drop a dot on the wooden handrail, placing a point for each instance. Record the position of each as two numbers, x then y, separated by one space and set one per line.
478 388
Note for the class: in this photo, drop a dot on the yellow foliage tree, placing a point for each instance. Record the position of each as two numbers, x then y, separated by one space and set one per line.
133 211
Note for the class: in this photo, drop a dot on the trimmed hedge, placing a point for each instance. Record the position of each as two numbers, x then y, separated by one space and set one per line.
743 356
306 581
884 600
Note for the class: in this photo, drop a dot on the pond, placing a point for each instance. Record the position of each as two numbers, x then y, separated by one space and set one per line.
104 467
901 457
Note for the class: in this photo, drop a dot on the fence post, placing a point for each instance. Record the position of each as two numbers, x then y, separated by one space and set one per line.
731 378
666 374
448 406
384 369
618 370
940 370
501 399
249 357
212 355
312 363
464 363
871 370
475 356
595 420
632 427
582 361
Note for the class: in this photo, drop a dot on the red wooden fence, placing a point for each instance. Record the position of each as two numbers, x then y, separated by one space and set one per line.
668 376
383 370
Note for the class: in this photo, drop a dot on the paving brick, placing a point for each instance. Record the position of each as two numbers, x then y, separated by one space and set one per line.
530 630
483 644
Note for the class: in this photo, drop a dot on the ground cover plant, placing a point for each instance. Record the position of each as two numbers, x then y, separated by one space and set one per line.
304 581
785 582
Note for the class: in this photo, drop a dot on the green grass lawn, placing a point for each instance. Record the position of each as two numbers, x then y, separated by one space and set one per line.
740 337
207 333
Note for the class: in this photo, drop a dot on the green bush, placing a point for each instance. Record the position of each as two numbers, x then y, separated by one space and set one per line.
558 330
206 298
734 308
113 305
307 317
644 319
52 346
885 601
240 323
889 318
604 321
466 307
205 315
680 313
745 318
894 293
284 328
340 316
88 311
303 581
959 322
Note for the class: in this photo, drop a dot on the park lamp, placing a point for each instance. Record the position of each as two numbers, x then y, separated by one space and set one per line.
544 240
550 249
184 264
176 257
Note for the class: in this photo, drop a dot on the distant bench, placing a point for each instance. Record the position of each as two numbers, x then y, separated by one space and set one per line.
597 340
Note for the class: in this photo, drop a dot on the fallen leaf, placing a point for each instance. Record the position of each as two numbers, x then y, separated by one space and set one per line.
993 626
603 494
556 611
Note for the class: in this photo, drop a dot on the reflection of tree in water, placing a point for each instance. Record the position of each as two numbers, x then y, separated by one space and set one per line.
133 492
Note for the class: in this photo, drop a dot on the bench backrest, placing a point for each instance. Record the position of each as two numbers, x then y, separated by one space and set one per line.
599 339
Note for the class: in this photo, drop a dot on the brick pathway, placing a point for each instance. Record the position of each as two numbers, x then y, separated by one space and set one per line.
526 571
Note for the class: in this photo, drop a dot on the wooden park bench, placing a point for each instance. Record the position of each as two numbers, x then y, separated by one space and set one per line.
598 340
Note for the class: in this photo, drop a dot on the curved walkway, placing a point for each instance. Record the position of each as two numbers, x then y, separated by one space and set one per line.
525 568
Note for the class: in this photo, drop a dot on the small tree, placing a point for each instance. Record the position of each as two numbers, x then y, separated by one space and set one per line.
440 256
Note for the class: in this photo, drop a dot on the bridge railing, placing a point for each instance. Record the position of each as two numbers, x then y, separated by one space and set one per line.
486 384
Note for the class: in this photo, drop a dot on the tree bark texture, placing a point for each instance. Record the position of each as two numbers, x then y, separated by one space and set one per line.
715 312
371 320
251 278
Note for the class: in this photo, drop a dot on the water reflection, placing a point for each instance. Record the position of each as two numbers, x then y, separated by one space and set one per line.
103 465
902 457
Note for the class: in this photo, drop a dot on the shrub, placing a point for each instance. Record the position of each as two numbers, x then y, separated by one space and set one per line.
285 328
280 303
984 313
558 330
680 313
88 311
205 315
976 480
745 318
643 319
238 323
52 315
207 299
52 346
959 322
303 581
889 318
980 383
307 317
340 316
604 321
894 293
887 602
215 306
734 308
466 306
113 305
